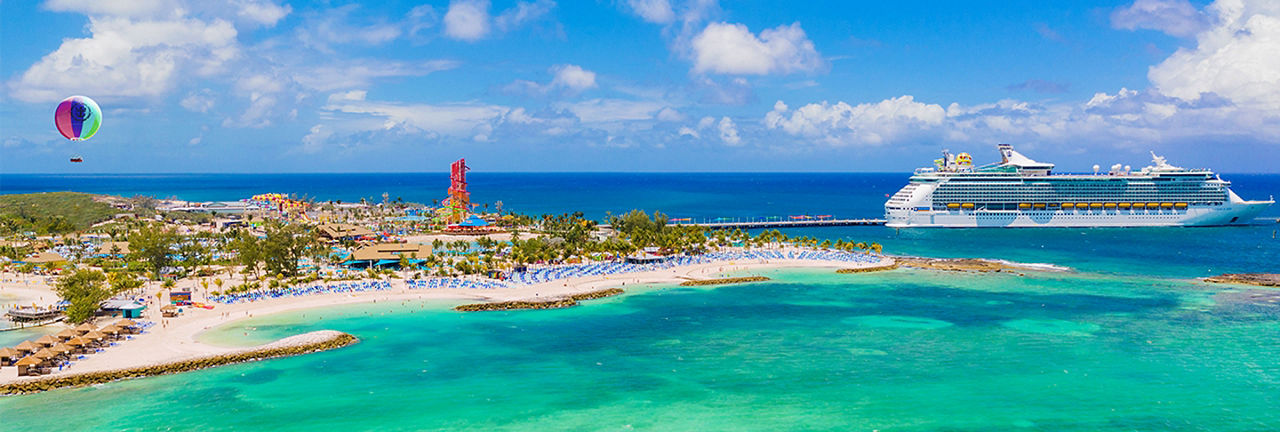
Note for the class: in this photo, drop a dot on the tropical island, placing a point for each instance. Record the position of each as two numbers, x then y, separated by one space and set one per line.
126 284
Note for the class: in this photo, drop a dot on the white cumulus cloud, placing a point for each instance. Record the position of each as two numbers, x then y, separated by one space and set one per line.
124 57
729 132
867 123
467 20
732 49
470 20
573 77
1237 59
654 11
1175 17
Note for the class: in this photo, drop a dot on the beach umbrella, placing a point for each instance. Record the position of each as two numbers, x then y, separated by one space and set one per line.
94 335
126 323
27 346
66 334
111 329
47 340
85 328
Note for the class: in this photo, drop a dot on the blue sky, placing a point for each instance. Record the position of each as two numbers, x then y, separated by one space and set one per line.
638 85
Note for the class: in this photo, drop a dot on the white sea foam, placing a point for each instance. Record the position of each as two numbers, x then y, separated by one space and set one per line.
1035 266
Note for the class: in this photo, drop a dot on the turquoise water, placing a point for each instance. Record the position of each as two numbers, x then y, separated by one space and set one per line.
903 350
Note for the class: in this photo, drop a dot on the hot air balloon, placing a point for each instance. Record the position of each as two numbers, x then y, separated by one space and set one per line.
78 118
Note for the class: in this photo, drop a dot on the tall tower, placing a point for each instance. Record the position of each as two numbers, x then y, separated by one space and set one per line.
459 201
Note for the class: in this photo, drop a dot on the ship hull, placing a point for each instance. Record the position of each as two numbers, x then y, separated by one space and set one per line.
1242 213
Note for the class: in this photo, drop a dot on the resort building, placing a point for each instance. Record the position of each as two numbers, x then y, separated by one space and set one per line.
341 231
383 254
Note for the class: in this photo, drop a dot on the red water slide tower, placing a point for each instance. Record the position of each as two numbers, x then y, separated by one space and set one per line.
459 198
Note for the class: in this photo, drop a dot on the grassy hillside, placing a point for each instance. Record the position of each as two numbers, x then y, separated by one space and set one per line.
51 213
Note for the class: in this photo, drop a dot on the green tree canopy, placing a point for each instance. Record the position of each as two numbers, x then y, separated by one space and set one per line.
86 290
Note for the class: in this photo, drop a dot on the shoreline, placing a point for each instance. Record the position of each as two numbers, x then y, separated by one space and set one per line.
177 339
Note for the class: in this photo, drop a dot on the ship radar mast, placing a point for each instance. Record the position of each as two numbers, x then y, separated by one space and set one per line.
1161 164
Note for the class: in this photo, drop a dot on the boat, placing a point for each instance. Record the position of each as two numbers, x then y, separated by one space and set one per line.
1012 193
76 159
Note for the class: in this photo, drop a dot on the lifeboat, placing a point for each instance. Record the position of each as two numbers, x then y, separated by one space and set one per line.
1095 205
1123 205
1039 205
966 205
1180 205
1109 205
1166 205
1068 205
1153 205
1024 205
953 206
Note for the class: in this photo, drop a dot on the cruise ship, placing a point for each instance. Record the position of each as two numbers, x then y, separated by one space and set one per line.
1021 192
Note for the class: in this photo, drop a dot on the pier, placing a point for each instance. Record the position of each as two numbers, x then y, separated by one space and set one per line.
773 222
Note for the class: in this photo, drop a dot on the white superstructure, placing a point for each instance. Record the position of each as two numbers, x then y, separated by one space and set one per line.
1021 192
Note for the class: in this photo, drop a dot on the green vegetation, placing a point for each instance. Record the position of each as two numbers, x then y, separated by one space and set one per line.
153 246
51 213
86 290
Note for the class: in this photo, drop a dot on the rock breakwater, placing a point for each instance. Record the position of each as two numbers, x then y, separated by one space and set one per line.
295 345
724 281
557 303
1259 279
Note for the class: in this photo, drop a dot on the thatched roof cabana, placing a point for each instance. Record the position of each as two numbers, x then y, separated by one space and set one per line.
45 258
60 349
45 354
47 341
110 330
85 328
126 323
77 342
8 353
30 361
94 335
27 346
67 334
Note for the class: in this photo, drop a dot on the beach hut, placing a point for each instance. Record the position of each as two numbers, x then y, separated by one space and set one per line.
47 341
45 354
66 334
85 328
27 347
95 336
110 331
169 311
8 356
29 365
60 349
77 344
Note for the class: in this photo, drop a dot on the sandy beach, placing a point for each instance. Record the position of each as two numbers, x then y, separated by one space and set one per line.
176 339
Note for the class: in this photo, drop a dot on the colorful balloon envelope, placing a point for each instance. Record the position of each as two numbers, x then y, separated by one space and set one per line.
78 118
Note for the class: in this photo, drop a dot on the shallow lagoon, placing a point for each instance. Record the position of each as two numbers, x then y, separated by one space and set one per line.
901 350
